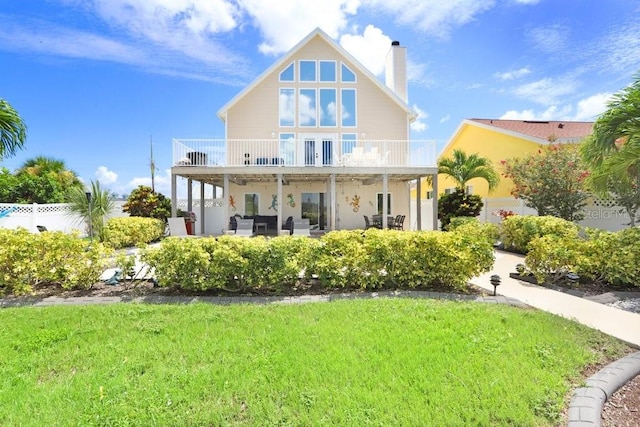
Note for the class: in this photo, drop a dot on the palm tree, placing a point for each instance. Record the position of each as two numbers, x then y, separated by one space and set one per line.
92 209
13 131
613 151
462 168
53 168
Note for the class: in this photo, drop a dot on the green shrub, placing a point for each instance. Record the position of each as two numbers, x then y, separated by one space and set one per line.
621 260
52 257
519 230
339 259
375 259
458 204
601 257
551 258
132 231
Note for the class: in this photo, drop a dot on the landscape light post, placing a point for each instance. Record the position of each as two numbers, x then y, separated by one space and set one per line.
495 281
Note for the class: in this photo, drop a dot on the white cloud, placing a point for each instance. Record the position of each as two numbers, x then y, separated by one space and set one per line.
527 1
586 109
419 124
550 39
513 74
551 113
618 50
285 23
370 48
437 18
105 176
589 108
175 38
445 118
546 91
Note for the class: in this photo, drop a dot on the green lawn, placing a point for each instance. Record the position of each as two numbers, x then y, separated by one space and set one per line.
363 362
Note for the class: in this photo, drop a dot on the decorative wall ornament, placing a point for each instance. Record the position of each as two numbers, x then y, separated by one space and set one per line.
290 201
232 203
274 202
355 202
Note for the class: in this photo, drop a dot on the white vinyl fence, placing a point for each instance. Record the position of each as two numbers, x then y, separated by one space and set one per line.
58 217
600 214
55 217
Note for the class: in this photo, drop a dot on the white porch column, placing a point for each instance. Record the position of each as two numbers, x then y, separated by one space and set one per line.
174 195
385 206
201 208
280 204
435 200
225 196
332 203
419 204
189 195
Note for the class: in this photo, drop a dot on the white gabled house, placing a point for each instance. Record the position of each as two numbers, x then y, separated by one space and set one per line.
315 136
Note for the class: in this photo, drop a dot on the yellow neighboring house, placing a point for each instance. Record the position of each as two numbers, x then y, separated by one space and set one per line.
498 140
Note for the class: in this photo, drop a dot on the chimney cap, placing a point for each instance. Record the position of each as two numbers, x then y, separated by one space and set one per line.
395 43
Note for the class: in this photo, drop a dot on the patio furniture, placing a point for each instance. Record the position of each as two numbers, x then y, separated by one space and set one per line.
301 227
376 220
397 223
288 225
261 226
245 228
178 228
367 224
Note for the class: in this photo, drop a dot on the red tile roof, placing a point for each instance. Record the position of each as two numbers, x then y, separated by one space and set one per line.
562 130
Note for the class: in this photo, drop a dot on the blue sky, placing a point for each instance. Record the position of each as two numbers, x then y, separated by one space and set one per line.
96 80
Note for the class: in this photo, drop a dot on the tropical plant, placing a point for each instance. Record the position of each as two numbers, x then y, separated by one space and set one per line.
613 151
55 169
91 208
144 202
458 204
26 188
551 181
462 168
13 131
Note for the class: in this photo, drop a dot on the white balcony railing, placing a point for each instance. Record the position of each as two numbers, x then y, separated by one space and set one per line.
303 152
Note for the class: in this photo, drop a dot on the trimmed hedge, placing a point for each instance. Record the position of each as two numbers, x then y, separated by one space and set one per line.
603 257
28 259
132 231
372 259
519 230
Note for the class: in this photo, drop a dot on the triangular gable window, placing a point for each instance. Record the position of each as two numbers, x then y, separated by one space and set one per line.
287 74
346 75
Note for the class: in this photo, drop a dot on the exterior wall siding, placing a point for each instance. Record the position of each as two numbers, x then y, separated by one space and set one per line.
495 146
256 114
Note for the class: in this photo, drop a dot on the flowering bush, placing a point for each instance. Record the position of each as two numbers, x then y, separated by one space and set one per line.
550 181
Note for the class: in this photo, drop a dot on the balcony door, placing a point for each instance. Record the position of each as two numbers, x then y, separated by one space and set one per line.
316 149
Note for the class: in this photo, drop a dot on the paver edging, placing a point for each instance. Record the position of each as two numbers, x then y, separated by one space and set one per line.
587 402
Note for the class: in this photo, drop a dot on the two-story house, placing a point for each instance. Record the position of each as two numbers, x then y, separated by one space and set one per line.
315 136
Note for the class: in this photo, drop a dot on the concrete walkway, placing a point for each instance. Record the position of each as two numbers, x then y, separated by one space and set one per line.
621 324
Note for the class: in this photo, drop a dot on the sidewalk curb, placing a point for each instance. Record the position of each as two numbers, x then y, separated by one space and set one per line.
585 409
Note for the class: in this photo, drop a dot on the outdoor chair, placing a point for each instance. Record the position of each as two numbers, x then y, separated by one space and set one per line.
245 228
376 221
288 225
178 228
367 223
301 227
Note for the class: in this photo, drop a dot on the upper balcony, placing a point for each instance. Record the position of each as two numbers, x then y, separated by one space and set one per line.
307 151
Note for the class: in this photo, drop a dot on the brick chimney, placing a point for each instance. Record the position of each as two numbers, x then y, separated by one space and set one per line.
396 70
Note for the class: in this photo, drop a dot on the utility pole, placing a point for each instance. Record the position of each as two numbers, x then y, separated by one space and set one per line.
152 165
